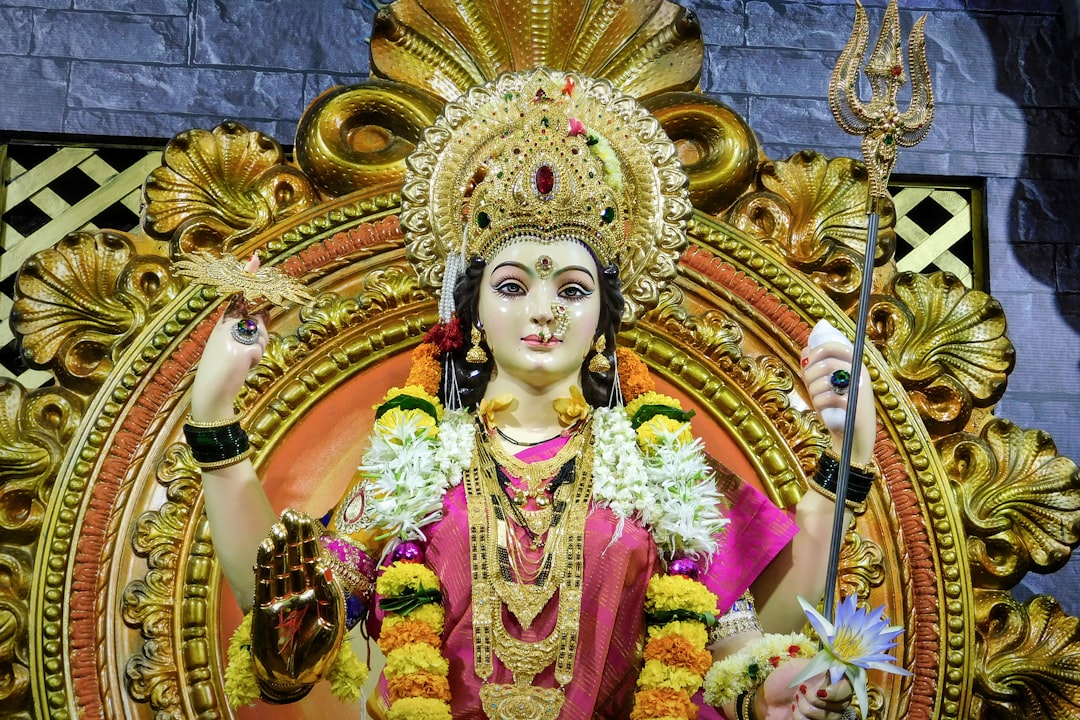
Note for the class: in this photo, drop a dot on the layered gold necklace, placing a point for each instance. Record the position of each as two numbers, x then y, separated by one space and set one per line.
501 575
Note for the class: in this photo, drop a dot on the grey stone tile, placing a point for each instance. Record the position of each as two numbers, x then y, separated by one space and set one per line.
799 25
141 7
769 72
1068 268
16 30
721 23
1037 131
110 36
195 91
1021 267
261 34
164 126
35 93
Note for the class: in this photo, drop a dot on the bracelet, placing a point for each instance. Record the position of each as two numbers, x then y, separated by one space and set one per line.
827 476
218 444
747 669
742 617
744 704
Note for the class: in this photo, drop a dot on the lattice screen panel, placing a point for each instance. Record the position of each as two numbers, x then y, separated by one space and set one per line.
940 228
50 191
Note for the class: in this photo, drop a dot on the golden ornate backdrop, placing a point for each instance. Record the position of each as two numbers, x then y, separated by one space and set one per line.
111 603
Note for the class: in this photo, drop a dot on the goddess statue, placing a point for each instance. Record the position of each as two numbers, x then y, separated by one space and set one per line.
534 532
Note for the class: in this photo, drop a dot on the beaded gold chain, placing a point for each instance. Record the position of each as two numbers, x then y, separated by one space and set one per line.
561 567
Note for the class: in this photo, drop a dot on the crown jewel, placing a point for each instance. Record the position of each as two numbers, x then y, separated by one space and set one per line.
547 180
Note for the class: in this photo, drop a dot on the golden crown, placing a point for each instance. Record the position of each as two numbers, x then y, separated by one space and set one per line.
548 181
548 155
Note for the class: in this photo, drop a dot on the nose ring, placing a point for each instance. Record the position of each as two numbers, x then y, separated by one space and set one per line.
562 319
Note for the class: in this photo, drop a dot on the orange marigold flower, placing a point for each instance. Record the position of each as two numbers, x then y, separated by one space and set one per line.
663 702
404 633
677 651
426 370
634 377
418 684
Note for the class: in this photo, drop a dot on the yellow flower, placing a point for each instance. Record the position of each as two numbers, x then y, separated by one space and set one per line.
490 406
347 675
648 433
240 686
431 613
571 409
651 398
656 674
692 630
677 592
394 418
417 708
402 576
414 657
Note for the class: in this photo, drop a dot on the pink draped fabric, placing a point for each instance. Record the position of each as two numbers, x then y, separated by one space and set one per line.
612 625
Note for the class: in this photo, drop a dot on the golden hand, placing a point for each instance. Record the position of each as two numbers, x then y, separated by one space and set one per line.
298 620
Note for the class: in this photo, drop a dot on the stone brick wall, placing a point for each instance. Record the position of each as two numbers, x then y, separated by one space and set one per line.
1005 73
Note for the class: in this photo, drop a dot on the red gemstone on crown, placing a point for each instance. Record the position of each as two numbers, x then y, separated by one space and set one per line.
545 179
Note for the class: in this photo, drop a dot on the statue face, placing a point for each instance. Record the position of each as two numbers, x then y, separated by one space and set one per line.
527 286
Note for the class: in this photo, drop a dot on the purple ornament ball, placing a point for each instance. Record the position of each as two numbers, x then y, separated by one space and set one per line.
684 566
409 551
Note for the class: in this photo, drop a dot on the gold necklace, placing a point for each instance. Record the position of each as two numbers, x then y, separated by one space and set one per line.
534 474
562 565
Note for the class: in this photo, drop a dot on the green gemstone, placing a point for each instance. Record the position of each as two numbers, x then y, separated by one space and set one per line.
483 219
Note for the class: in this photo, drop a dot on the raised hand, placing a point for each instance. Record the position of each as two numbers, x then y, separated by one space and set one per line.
298 620
824 366
236 344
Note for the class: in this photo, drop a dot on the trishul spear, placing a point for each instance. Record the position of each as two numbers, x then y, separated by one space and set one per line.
884 129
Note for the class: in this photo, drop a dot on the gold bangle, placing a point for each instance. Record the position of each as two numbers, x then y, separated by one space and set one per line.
218 464
867 469
212 423
746 703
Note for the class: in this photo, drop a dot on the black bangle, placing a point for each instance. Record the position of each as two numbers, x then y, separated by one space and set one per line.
219 446
827 476
744 704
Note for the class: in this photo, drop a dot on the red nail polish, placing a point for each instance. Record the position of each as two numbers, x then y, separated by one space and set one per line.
823 693
802 689
805 361
792 707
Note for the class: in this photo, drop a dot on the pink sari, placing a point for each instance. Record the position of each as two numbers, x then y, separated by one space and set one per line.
612 625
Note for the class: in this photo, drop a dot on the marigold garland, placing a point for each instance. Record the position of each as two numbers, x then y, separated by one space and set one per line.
346 676
676 657
634 377
748 668
416 671
426 370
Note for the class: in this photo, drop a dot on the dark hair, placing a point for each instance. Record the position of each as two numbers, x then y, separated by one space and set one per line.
472 379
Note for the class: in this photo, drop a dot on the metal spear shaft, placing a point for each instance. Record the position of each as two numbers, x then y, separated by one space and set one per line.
883 129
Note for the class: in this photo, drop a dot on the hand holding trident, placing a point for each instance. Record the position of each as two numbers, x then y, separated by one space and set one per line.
884 129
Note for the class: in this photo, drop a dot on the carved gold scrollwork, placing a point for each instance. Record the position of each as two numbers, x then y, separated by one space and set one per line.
357 137
1027 659
149 604
216 189
862 566
1019 499
717 148
812 210
766 379
945 343
446 46
15 569
81 301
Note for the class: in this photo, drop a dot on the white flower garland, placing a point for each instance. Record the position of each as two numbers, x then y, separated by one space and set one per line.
411 468
669 489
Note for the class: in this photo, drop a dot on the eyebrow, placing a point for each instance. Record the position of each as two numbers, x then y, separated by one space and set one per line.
532 272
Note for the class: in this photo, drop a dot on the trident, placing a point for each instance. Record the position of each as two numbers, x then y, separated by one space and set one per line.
884 129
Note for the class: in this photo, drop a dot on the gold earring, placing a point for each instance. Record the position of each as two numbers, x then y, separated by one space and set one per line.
599 363
476 354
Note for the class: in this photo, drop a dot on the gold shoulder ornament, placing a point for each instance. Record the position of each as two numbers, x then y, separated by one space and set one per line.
227 275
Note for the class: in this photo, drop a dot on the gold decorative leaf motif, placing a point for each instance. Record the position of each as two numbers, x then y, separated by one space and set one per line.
1027 659
15 569
862 566
215 189
446 46
812 211
1019 499
945 343
79 303
150 604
